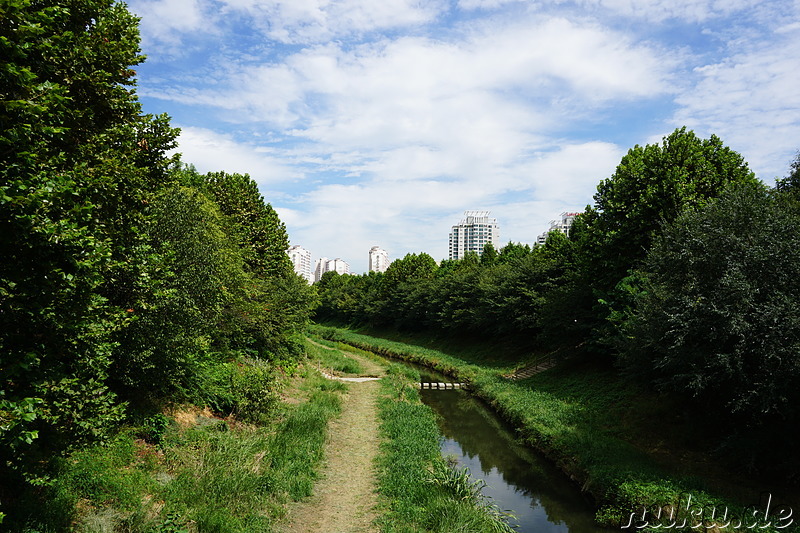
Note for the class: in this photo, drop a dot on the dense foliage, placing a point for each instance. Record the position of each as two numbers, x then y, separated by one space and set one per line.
717 315
503 296
651 185
127 280
77 163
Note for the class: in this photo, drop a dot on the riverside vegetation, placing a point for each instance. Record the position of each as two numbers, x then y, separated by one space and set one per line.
580 416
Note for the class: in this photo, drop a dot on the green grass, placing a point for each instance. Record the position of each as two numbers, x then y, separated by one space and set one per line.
582 418
237 481
331 357
419 490
217 476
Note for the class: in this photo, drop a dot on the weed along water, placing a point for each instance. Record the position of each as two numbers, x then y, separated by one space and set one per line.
540 497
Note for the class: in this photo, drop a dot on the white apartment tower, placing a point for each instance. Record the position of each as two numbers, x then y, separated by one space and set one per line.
378 259
320 268
337 265
330 265
562 225
301 260
474 231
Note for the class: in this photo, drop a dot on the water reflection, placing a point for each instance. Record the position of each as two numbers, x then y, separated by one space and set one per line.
519 480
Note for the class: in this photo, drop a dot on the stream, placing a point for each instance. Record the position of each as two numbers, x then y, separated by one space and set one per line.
518 480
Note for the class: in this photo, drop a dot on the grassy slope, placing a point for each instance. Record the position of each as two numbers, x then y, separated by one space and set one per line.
204 473
623 444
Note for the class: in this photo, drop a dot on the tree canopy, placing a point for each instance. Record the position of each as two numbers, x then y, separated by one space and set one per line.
717 315
126 278
653 185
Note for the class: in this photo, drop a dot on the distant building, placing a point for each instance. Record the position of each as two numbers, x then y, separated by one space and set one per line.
378 259
320 268
337 265
474 231
330 265
562 225
301 260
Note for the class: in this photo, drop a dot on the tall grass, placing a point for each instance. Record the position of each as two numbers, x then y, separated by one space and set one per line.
575 418
236 481
218 476
421 492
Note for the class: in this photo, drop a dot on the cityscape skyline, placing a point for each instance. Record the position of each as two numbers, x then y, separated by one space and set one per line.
379 259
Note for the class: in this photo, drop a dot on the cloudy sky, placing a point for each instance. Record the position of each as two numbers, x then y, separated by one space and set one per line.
379 122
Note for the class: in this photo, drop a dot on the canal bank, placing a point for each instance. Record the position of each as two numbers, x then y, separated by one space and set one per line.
578 427
416 488
519 480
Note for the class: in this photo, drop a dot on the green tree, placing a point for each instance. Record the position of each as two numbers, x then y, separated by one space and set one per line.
718 309
78 163
412 267
277 304
455 298
200 282
398 306
261 233
513 251
651 186
790 185
489 255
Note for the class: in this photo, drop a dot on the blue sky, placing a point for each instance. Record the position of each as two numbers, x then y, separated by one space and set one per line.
379 122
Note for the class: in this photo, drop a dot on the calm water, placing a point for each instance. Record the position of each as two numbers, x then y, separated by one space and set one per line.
541 497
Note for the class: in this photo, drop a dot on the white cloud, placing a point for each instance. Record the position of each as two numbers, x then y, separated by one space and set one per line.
661 10
541 57
569 176
311 21
165 22
210 151
168 24
751 100
485 4
417 108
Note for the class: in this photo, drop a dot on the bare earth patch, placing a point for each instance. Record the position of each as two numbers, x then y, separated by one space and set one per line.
345 499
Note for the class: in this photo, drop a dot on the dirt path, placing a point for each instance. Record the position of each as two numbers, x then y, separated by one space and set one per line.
344 499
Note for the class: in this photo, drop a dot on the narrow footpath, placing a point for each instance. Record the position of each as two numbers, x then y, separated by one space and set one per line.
345 499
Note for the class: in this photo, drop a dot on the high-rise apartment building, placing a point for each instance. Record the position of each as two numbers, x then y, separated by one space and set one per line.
378 259
474 231
320 268
330 265
301 260
338 265
561 225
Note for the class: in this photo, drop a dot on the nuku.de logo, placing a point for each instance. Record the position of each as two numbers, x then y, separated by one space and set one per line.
703 517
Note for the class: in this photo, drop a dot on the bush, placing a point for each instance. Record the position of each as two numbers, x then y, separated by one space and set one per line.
255 391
